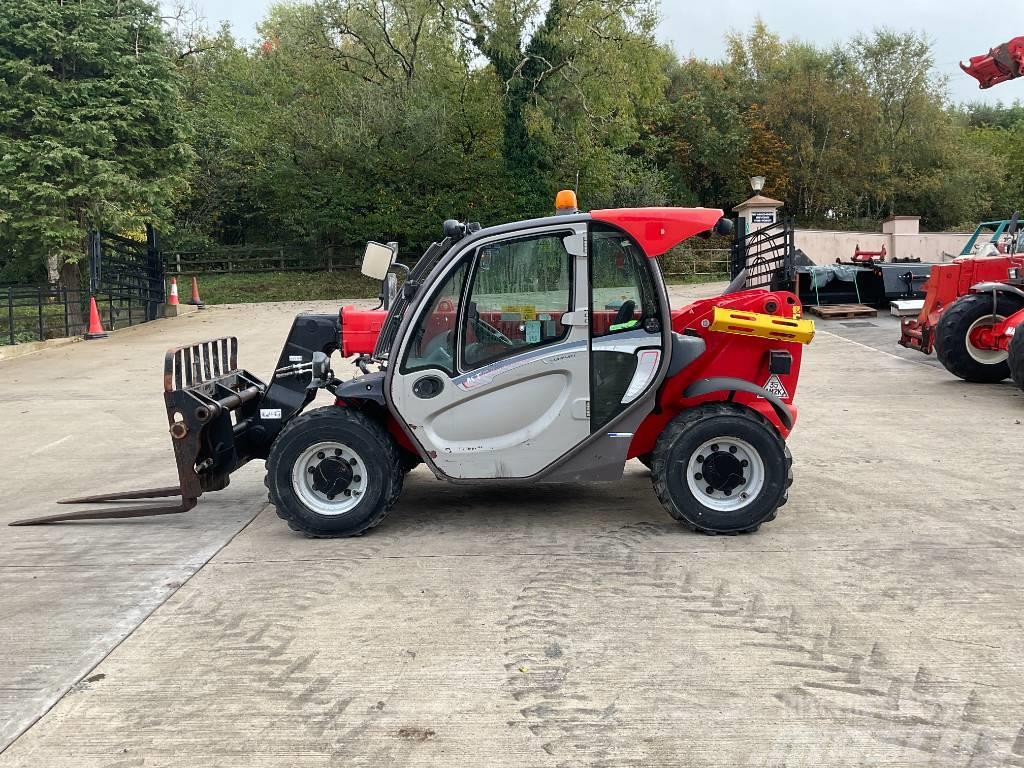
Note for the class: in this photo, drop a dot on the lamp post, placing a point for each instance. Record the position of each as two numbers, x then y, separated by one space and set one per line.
757 184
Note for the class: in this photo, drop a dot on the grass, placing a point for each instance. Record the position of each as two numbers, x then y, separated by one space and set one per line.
241 288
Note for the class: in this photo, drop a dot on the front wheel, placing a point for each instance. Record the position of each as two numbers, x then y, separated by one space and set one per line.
721 468
333 472
1016 356
959 337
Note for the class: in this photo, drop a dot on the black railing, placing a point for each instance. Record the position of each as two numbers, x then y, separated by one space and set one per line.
767 254
37 313
127 271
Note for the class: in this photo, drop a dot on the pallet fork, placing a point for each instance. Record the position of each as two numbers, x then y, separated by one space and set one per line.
203 387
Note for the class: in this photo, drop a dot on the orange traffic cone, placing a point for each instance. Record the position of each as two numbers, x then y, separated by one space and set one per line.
95 330
173 300
195 293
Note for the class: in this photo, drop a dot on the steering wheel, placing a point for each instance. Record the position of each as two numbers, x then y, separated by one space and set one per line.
438 349
488 332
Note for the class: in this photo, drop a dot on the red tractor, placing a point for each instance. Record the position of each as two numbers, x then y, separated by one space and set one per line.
542 350
974 306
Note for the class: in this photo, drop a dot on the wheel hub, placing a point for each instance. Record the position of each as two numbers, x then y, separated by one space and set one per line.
722 471
981 341
332 476
725 474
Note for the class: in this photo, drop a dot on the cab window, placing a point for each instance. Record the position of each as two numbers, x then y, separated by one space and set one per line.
434 340
520 289
623 296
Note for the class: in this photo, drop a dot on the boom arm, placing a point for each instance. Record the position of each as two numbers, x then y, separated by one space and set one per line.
1004 62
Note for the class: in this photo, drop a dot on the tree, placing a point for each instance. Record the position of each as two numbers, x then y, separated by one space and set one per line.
90 132
572 76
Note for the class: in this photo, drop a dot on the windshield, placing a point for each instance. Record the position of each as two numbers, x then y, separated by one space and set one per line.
419 271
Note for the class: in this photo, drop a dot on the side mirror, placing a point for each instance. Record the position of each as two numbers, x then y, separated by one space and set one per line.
724 227
377 260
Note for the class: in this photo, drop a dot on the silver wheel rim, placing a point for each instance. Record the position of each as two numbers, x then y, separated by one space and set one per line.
304 479
750 464
985 356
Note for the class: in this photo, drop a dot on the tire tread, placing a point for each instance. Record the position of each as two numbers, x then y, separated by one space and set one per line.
392 493
686 420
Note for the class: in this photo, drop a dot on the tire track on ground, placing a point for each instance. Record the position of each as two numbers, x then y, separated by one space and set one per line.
856 687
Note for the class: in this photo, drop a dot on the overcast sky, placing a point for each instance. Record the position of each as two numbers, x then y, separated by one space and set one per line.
959 29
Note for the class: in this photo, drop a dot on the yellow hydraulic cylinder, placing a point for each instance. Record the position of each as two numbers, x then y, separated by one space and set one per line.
764 326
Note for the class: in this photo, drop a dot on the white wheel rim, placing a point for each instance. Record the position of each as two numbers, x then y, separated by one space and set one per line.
312 478
985 356
725 490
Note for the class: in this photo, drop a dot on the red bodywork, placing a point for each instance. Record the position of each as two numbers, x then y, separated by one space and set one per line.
946 284
658 230
727 355
1002 63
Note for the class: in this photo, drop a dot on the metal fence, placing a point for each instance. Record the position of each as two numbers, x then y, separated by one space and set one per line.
279 259
37 313
767 254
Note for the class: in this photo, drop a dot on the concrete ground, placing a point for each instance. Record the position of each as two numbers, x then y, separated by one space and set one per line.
877 621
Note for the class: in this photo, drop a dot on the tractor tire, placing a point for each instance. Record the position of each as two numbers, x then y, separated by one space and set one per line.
647 459
333 472
952 337
1016 356
721 468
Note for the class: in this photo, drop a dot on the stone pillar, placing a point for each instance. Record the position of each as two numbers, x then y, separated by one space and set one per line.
903 234
757 212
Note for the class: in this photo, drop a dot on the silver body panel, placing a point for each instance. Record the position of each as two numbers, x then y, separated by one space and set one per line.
528 415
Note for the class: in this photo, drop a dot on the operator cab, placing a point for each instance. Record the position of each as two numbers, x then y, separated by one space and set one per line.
512 347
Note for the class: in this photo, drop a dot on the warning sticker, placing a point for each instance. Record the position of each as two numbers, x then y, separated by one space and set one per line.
774 386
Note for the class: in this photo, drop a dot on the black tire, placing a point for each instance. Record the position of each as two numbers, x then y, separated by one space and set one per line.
1016 358
952 345
368 439
691 430
409 461
647 459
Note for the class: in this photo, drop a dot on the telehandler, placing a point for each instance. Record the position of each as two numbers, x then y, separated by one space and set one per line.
973 307
542 350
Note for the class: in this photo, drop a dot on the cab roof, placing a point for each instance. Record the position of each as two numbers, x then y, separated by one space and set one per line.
656 230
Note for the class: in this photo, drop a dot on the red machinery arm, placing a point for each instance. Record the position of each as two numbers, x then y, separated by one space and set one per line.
1004 62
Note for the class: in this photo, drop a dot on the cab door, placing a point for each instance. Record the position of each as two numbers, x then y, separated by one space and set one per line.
493 378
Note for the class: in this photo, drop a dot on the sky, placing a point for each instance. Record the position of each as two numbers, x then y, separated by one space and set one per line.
699 28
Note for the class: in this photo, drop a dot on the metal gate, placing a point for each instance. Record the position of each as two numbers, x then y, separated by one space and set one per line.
128 275
767 254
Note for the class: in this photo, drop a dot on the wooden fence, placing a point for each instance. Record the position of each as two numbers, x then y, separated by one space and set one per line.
682 262
693 263
285 259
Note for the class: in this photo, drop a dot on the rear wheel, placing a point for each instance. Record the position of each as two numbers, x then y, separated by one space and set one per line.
1016 356
957 343
333 472
721 468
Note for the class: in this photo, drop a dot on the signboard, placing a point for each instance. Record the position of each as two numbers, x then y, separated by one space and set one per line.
762 217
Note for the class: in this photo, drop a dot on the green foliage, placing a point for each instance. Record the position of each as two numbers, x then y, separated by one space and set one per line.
90 129
357 119
286 286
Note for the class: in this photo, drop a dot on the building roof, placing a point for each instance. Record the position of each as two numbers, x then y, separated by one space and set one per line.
759 201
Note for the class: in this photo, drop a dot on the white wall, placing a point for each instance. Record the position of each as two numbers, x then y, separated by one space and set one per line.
824 246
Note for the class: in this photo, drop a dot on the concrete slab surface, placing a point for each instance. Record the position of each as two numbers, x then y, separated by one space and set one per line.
877 621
